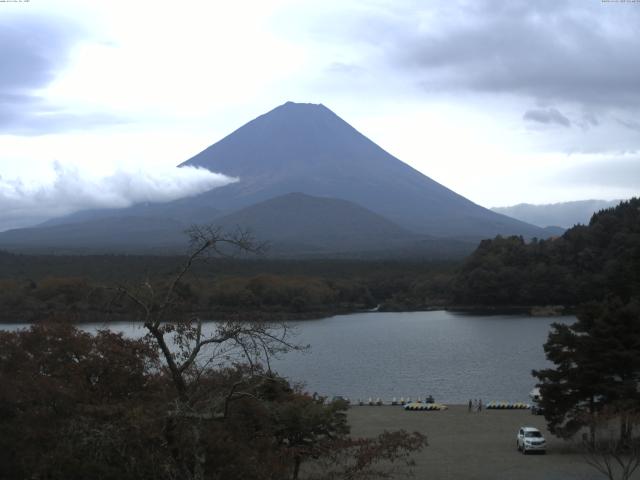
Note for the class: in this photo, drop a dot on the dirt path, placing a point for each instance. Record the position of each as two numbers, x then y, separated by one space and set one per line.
477 446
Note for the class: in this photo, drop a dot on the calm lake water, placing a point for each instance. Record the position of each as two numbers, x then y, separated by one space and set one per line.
453 357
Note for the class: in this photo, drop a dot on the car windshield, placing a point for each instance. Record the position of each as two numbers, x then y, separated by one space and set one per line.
532 434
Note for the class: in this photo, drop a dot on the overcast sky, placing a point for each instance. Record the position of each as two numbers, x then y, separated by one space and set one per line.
502 101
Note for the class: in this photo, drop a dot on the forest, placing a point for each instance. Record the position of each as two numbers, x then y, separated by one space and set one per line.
33 287
586 263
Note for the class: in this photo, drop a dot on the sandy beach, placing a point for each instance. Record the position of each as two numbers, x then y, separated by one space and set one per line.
477 446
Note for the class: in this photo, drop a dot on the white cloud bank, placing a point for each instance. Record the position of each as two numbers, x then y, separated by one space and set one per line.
26 202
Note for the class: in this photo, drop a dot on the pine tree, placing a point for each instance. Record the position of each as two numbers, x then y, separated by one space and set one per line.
597 365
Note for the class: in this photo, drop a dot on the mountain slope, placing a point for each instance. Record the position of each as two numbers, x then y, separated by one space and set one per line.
121 234
307 148
293 225
302 222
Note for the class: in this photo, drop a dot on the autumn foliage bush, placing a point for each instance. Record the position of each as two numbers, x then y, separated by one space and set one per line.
75 406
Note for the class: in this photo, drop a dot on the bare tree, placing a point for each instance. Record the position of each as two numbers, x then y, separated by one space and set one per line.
616 451
195 357
189 349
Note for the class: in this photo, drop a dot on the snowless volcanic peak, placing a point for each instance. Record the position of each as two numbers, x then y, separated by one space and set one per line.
303 147
350 195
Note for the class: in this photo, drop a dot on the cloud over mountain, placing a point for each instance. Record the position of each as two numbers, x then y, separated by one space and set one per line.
25 203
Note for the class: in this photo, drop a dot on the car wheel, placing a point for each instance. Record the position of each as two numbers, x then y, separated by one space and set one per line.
524 450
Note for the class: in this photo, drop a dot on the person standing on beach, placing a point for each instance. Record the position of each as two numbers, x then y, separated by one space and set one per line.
479 405
470 405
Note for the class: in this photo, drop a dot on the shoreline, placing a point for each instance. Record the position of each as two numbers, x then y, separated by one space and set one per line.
287 316
531 310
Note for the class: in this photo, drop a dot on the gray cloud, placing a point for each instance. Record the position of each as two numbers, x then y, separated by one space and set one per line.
551 51
549 116
34 50
587 121
34 117
23 204
630 124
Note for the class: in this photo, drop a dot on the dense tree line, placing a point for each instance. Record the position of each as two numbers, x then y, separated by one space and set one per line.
82 300
119 268
239 287
587 263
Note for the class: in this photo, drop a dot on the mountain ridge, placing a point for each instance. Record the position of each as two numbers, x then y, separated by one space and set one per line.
562 214
293 225
300 219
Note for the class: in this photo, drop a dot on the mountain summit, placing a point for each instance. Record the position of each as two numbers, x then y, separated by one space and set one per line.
350 196
301 147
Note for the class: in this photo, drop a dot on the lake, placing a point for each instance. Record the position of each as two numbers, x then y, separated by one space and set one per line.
452 356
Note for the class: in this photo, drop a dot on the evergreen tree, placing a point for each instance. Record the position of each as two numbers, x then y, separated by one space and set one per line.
597 365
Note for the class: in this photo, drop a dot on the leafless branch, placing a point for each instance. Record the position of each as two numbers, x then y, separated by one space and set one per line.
614 454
